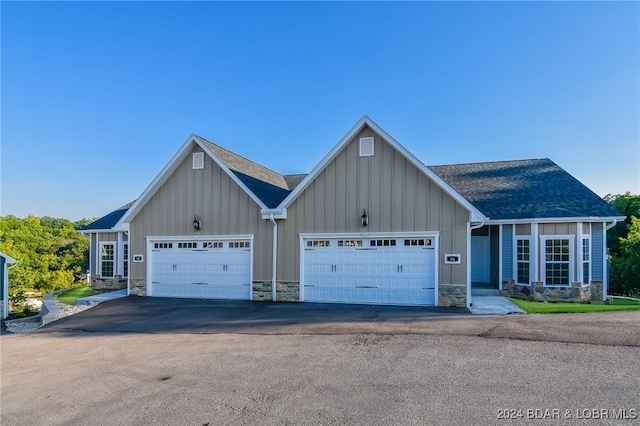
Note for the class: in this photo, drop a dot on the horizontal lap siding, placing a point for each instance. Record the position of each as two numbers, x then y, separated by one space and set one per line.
221 205
395 194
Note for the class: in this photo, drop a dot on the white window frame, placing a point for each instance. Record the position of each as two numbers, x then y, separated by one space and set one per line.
587 261
543 261
113 261
516 261
125 260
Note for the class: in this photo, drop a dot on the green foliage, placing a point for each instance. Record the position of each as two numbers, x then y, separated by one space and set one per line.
49 251
628 205
623 241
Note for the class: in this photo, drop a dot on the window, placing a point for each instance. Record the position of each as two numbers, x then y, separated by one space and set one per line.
239 244
125 254
557 261
382 243
586 260
523 265
318 243
418 242
162 245
107 257
212 244
190 245
349 243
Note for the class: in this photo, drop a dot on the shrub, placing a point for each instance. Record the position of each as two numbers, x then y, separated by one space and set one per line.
624 276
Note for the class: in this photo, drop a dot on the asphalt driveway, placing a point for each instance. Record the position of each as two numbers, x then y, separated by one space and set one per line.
162 315
146 361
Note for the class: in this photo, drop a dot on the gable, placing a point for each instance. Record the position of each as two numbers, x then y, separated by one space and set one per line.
351 143
270 187
395 194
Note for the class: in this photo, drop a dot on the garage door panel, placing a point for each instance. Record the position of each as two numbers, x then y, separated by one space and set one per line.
192 269
396 273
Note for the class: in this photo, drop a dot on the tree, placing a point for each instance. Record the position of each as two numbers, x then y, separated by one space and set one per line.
623 241
49 252
628 205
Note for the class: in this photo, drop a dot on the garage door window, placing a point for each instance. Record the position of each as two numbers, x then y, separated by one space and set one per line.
382 243
318 243
212 244
419 242
349 243
239 244
162 245
189 245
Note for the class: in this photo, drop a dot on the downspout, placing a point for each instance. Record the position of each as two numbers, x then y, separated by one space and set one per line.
275 257
129 274
480 225
605 265
471 228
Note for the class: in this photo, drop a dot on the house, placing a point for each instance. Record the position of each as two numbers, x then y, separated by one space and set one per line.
108 251
369 224
5 261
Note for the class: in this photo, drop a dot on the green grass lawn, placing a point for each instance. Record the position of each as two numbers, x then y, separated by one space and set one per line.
573 308
69 297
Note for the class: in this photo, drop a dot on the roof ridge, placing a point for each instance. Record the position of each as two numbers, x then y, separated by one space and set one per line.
521 160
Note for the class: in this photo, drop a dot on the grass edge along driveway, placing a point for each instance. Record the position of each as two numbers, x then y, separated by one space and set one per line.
576 308
70 297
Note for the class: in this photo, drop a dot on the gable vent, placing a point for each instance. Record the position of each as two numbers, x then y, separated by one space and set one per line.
366 147
198 160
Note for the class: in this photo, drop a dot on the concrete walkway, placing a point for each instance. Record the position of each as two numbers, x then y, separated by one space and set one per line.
99 298
486 300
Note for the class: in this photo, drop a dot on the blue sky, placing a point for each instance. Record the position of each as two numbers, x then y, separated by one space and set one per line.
97 96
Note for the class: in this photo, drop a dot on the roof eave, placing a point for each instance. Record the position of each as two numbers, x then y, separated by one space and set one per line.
554 220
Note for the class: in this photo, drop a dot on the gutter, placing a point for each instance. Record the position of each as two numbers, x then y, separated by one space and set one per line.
275 257
611 225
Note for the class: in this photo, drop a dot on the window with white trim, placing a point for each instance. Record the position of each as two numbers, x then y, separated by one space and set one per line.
586 260
125 265
523 261
557 265
107 259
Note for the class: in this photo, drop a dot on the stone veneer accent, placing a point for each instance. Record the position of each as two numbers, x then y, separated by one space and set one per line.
597 291
138 286
452 295
115 283
538 292
286 291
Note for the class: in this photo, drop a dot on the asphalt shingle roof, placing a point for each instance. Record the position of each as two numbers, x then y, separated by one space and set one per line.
523 189
108 221
270 195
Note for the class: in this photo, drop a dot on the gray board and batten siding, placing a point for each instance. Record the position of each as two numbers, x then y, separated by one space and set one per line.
209 193
396 195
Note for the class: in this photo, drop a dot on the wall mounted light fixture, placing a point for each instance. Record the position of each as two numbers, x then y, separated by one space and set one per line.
197 224
364 217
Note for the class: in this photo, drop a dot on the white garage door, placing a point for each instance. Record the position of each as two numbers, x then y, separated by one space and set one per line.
361 270
217 269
